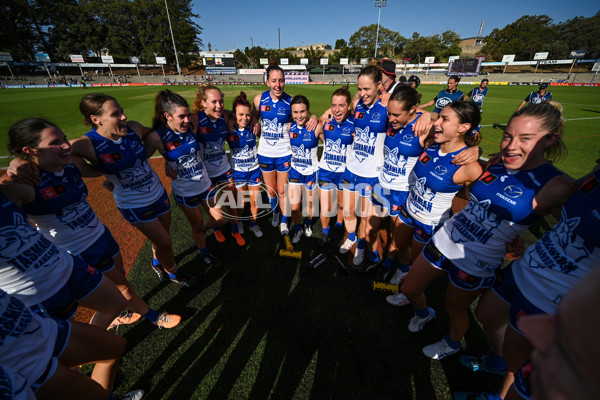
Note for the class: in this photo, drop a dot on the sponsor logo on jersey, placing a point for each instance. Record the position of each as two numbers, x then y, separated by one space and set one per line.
329 127
588 185
111 157
440 170
376 116
424 159
443 102
359 115
173 145
513 191
52 191
391 132
265 108
488 177
206 129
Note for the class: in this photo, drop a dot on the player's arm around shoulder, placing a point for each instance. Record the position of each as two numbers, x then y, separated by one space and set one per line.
554 194
83 147
18 193
468 173
152 142
139 129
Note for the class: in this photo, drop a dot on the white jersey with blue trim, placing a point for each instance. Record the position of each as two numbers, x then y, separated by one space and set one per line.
432 186
61 211
242 143
366 157
304 149
32 268
182 154
337 143
274 117
125 165
14 385
566 254
212 135
401 152
26 340
500 208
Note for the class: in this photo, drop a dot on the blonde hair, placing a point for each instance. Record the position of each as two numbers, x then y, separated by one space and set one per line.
201 96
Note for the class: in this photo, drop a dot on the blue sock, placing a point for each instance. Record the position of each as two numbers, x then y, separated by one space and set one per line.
338 225
151 315
387 263
284 219
421 313
155 262
252 223
204 250
352 236
326 230
234 228
361 244
495 361
404 267
452 343
173 276
308 221
274 204
374 256
297 227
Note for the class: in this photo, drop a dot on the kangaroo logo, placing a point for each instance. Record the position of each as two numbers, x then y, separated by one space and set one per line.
391 156
132 175
271 128
362 137
422 190
188 160
14 237
77 210
300 152
244 152
333 147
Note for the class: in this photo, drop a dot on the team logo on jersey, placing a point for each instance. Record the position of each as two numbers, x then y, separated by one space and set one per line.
138 177
487 177
422 190
443 102
391 155
14 237
244 152
464 230
424 159
78 215
408 137
188 160
173 145
364 144
513 191
206 129
52 191
440 170
588 185
265 108
111 157
359 115
272 131
300 152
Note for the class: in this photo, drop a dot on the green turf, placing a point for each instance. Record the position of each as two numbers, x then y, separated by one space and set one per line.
582 109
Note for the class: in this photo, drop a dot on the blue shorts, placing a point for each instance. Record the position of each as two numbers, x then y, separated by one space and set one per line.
296 178
459 278
506 288
329 180
250 178
279 164
422 232
355 183
390 199
522 383
84 280
100 255
225 177
62 337
148 213
195 201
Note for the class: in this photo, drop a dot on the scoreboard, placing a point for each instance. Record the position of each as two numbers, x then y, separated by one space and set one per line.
465 67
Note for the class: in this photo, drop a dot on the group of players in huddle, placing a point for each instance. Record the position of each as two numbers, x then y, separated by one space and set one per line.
383 156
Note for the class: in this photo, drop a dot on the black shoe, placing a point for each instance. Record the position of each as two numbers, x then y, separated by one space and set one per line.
323 240
210 261
161 273
381 274
184 280
336 234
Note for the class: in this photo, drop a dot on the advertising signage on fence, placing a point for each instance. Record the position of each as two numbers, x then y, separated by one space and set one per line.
77 58
94 65
304 61
221 70
577 54
108 59
256 71
124 65
508 58
264 61
541 56
42 57
556 62
588 61
296 77
343 61
452 58
161 60
364 61
522 63
324 61
4 56
284 61
134 60
429 60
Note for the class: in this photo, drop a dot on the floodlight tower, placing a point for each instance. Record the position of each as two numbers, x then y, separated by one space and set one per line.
173 37
379 4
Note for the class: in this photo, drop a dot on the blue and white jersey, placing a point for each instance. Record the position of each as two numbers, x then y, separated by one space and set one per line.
14 385
370 124
212 136
32 268
26 340
337 143
446 97
537 97
477 95
182 153
304 149
500 208
432 186
566 254
401 152
125 165
244 153
274 116
61 211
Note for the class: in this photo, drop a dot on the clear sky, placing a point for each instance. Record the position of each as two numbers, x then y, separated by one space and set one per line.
230 24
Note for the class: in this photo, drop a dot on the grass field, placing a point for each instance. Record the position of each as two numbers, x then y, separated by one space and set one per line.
263 327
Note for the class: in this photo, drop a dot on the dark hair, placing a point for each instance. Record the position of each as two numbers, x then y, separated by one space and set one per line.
405 95
343 92
468 113
166 102
91 104
550 114
239 101
402 79
26 133
456 78
201 96
485 80
274 67
372 72
299 99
